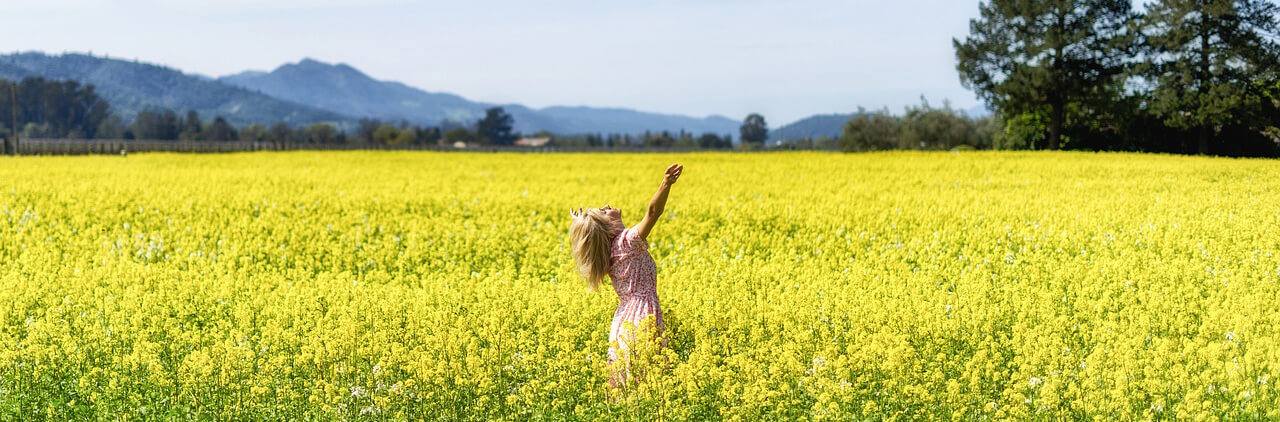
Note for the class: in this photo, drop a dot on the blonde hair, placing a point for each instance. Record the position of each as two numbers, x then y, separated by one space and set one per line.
590 236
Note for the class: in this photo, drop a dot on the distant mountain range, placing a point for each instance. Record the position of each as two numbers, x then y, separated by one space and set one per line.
344 89
132 86
311 91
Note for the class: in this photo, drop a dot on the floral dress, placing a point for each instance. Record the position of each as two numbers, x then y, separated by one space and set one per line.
635 279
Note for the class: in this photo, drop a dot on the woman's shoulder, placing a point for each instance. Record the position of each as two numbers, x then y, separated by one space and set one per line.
631 238
628 240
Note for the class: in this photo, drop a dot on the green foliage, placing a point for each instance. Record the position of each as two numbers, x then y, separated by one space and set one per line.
921 127
405 137
1204 56
156 125
1024 54
926 127
754 130
659 140
1024 130
112 127
871 132
460 134
321 133
220 130
38 130
192 127
428 135
821 143
986 129
495 127
711 140
365 129
254 133
281 133
385 135
52 109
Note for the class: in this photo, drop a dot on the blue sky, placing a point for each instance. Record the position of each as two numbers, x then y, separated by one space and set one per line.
784 59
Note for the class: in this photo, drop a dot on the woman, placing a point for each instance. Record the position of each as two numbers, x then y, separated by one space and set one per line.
602 245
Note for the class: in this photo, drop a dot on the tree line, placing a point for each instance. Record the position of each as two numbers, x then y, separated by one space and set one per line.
1179 76
66 109
39 108
647 139
44 108
1184 76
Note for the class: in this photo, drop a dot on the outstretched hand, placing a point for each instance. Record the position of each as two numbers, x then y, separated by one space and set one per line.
673 173
659 201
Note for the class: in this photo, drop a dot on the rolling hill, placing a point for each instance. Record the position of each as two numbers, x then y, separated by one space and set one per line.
311 91
344 89
132 86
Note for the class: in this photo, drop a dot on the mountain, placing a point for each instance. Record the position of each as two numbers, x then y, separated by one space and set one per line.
131 86
812 127
312 91
344 89
591 119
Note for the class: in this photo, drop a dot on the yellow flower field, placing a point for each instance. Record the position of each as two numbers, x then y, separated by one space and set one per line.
412 285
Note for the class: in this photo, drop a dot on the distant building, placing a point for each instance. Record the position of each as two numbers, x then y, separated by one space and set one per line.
532 142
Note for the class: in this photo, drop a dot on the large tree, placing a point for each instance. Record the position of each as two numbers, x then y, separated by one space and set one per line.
157 125
52 108
1209 61
192 127
495 127
754 130
1044 55
870 131
321 133
219 130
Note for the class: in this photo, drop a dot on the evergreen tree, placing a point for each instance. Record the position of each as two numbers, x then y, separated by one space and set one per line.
280 134
321 133
253 133
1044 56
56 109
219 130
428 136
495 127
111 127
192 127
365 129
1209 61
169 126
148 125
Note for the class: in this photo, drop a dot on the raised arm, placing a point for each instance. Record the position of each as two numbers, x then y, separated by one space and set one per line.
658 202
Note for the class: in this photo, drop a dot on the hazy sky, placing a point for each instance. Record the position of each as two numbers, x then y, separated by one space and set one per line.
785 59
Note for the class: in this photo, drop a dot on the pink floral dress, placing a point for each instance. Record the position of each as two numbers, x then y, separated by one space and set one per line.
635 279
